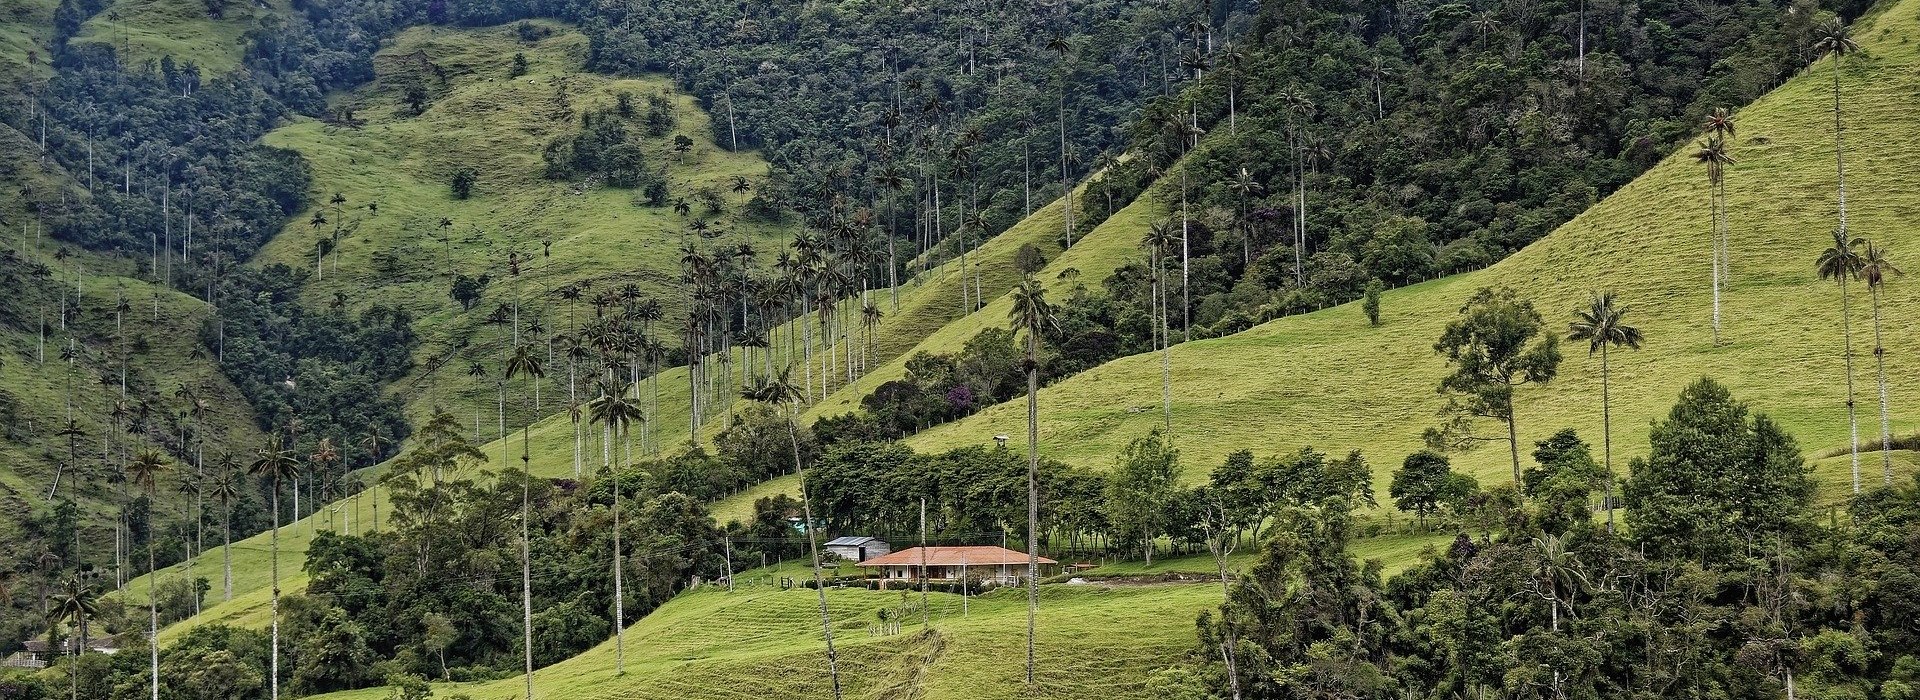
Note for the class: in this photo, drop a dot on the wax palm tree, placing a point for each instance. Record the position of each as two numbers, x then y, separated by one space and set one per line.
1841 263
78 602
1875 268
226 488
1603 325
144 471
1247 187
1159 238
276 462
1834 39
615 413
525 363
1720 124
1032 313
1713 154
870 316
324 454
780 391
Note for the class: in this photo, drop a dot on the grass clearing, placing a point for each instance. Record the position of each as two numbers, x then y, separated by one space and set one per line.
146 30
764 642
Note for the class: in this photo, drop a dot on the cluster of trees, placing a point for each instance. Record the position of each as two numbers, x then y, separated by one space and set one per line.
605 147
943 387
430 590
1730 584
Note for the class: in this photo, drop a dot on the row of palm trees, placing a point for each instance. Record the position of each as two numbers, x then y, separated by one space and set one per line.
1849 258
1852 258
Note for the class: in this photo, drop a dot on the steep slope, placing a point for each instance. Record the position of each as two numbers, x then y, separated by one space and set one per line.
1330 380
478 117
207 33
928 304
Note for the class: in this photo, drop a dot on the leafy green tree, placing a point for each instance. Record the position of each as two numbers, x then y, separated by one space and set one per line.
416 98
1370 301
1603 325
1308 615
463 181
1715 478
1841 263
1426 482
1142 488
1495 346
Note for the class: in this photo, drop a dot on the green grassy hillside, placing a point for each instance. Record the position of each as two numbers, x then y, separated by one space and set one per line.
929 304
38 385
1329 380
480 118
187 30
25 27
1326 379
762 642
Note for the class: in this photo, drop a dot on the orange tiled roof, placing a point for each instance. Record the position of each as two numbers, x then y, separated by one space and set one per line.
954 556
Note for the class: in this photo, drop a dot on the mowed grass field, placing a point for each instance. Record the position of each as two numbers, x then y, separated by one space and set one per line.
1329 380
762 642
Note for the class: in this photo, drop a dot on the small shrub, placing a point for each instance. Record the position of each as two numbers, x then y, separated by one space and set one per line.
463 182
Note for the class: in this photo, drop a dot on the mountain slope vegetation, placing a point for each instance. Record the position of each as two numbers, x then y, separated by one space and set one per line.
1342 383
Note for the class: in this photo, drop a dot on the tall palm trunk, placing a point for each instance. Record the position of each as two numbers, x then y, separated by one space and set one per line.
1880 369
1033 493
274 587
1714 196
526 578
1606 430
1839 148
1853 420
619 593
226 552
153 613
813 548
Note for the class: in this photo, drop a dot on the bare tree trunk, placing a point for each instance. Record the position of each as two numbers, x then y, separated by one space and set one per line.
526 578
226 552
1853 419
1606 431
274 540
1880 368
1033 495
